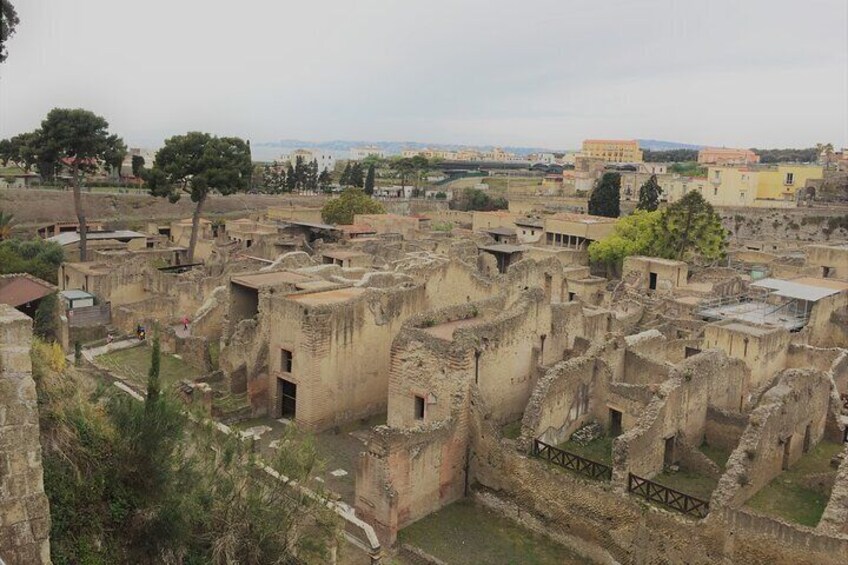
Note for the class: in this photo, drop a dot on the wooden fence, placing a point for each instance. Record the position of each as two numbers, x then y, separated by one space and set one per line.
571 461
668 497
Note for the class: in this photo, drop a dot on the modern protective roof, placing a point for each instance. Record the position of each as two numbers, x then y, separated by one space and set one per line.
68 238
17 290
309 225
75 294
798 290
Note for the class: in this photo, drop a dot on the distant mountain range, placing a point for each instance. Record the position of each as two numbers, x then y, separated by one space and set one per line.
657 145
272 149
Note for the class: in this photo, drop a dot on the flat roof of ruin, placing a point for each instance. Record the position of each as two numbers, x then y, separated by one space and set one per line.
269 279
445 331
341 254
503 248
583 218
90 267
328 296
740 326
309 224
500 231
70 237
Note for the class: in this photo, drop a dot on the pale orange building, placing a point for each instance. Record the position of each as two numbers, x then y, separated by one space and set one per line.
727 156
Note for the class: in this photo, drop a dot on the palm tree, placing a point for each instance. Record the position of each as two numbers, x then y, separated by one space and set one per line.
6 220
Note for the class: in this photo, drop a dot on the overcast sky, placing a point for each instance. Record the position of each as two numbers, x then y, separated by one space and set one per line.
762 73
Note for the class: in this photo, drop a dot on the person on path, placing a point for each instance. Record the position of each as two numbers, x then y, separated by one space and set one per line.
185 323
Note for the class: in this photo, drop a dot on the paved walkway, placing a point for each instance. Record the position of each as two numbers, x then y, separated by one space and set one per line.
90 354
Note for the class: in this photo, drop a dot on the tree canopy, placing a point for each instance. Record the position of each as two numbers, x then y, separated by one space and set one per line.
37 257
690 229
605 199
632 235
20 150
473 199
351 201
79 140
8 23
649 195
687 230
669 155
197 164
138 482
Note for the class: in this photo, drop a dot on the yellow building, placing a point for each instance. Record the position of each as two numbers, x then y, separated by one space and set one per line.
763 187
784 181
613 150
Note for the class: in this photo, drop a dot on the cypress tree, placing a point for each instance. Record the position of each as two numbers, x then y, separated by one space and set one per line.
369 180
606 197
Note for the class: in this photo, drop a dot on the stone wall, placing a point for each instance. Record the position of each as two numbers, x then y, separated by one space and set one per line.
789 420
24 510
603 523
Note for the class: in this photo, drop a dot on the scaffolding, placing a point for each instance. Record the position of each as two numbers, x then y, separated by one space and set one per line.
759 306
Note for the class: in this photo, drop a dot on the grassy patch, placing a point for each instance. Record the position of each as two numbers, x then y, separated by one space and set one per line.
465 534
511 430
789 495
133 365
598 450
719 455
687 482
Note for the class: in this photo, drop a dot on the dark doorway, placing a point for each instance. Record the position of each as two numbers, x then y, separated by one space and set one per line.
419 407
614 422
286 399
652 281
690 351
807 439
825 272
787 450
668 455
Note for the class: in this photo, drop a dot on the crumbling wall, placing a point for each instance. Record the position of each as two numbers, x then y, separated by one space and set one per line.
679 411
24 510
834 520
795 408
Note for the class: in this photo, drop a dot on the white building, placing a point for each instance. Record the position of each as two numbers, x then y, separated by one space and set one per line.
326 159
360 153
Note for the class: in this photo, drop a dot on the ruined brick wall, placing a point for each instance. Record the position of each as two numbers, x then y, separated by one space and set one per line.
724 428
24 511
341 352
826 327
679 410
601 522
795 408
834 520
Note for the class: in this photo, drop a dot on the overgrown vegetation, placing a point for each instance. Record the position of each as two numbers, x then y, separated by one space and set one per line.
37 257
473 199
352 201
688 169
687 230
137 482
669 155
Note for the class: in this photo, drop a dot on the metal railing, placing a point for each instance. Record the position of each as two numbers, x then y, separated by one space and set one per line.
572 461
668 497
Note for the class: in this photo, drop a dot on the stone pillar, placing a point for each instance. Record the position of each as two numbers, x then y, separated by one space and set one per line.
24 511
